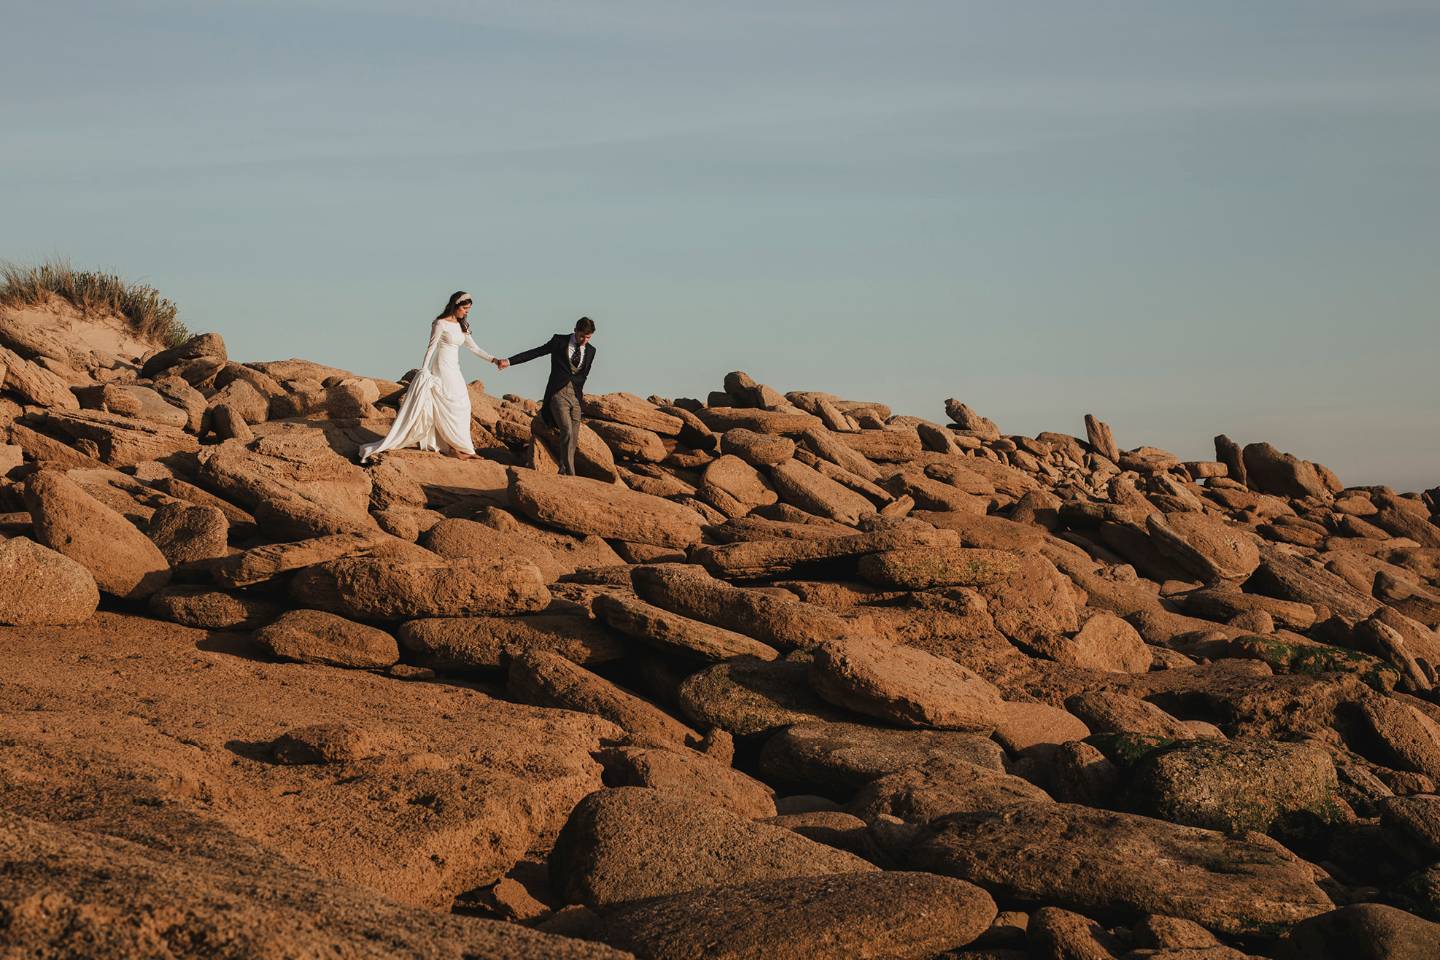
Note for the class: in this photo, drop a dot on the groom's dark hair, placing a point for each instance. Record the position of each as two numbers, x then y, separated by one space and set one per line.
584 325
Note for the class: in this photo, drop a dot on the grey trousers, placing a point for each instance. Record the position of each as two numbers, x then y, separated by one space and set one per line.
565 412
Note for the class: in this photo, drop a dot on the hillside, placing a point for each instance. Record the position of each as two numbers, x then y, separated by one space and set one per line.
782 675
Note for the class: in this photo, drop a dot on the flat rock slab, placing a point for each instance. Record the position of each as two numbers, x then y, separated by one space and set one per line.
549 680
781 622
212 609
259 564
706 781
765 558
893 915
585 506
219 896
1115 865
149 720
314 636
670 631
746 696
632 843
841 757
903 685
939 787
923 569
480 643
394 588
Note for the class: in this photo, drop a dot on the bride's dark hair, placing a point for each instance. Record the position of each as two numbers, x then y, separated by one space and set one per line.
456 298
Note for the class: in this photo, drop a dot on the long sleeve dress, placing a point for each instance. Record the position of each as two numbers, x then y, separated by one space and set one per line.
436 407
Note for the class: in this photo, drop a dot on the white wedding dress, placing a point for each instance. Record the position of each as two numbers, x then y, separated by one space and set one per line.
436 408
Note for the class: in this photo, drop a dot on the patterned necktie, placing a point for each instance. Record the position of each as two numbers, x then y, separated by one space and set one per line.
575 358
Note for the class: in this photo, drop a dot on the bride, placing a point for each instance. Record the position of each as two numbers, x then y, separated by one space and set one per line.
436 408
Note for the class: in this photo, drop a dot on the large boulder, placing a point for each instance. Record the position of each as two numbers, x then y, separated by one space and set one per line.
1209 548
941 786
1270 471
481 643
632 843
1363 931
626 408
188 532
777 621
212 609
137 402
1118 865
39 585
841 757
1237 785
313 636
811 490
687 773
746 696
549 680
1034 602
923 569
124 562
903 685
585 506
455 537
676 634
268 561
294 483
402 588
763 558
209 346
115 440
34 384
897 915
734 487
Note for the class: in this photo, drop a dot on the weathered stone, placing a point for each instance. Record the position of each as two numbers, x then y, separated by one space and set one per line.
811 490
1209 548
1116 865
688 774
1238 785
33 383
586 506
186 533
205 345
386 588
631 843
1270 471
325 743
1363 931
1099 435
457 538
39 585
313 636
1036 601
886 446
723 419
263 563
1106 711
672 632
134 401
840 757
734 487
294 484
770 557
925 568
481 643
115 440
626 408
971 422
904 916
211 609
747 696
940 786
903 685
1408 739
630 443
549 680
123 560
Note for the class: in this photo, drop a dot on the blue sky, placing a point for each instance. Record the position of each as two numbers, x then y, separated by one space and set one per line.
1185 218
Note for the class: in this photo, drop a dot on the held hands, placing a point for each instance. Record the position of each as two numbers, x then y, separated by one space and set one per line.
501 362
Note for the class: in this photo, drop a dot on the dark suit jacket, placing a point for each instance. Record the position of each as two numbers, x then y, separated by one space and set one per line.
560 376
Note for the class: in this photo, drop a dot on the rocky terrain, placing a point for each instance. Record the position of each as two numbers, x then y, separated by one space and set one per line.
783 675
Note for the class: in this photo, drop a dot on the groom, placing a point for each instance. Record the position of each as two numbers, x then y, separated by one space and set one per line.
570 359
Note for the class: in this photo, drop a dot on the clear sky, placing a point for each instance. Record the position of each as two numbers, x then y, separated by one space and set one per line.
1187 218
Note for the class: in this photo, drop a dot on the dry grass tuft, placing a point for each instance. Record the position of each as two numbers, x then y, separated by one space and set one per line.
148 313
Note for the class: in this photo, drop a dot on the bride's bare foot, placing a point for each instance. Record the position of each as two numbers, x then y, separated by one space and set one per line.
462 456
